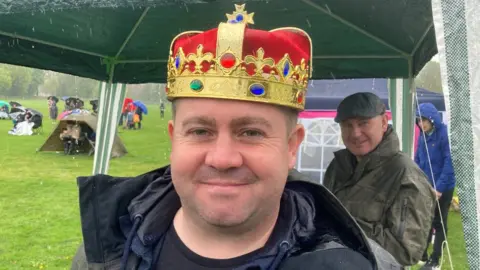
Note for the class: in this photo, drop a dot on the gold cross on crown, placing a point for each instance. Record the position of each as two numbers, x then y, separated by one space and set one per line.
240 15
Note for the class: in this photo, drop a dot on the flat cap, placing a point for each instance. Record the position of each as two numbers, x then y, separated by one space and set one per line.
362 104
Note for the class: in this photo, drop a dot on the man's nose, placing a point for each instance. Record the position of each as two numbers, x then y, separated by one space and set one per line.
224 153
356 132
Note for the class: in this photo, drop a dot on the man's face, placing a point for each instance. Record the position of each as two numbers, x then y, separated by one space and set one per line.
230 159
361 135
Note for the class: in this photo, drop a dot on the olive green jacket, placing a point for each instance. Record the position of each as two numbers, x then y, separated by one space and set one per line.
388 195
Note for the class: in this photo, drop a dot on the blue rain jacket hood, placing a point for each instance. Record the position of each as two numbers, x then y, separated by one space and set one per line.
440 173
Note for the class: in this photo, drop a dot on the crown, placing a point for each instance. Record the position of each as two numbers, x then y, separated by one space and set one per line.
238 63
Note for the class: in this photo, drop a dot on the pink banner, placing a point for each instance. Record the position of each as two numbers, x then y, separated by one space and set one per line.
417 134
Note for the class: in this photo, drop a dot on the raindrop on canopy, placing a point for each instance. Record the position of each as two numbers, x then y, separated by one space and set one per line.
309 24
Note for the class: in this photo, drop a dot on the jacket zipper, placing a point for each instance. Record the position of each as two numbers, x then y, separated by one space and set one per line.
95 205
401 229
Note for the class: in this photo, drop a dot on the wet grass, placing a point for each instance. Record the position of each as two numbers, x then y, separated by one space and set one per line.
40 225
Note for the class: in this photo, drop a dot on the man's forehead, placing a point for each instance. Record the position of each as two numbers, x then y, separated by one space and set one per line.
225 107
208 102
362 119
232 121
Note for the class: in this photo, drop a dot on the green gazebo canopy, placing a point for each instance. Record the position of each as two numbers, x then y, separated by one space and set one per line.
351 39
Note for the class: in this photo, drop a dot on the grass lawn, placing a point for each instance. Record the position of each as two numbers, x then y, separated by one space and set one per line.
40 225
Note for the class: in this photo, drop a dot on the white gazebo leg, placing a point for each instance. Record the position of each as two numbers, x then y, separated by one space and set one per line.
110 108
401 97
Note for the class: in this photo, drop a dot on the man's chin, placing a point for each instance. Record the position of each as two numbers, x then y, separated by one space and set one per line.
224 219
359 152
225 223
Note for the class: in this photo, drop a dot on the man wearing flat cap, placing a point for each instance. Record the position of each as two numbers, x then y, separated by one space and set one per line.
382 187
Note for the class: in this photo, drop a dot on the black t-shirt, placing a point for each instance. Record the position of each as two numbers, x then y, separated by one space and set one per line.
176 255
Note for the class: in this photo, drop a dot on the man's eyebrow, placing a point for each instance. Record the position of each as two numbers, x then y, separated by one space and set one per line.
199 120
250 120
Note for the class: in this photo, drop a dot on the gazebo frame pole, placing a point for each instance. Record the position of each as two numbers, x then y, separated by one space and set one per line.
110 107
103 113
401 93
408 111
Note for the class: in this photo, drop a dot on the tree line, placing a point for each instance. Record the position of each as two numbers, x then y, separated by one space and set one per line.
59 84
430 78
17 81
20 81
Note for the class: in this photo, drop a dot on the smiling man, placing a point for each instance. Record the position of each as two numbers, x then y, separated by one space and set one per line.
383 188
229 199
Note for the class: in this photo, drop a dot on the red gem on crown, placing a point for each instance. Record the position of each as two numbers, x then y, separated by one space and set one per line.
228 60
300 98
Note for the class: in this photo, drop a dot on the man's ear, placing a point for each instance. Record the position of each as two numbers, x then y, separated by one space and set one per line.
295 139
171 130
384 122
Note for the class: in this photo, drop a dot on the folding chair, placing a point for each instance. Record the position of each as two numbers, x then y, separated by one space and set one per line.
38 130
92 144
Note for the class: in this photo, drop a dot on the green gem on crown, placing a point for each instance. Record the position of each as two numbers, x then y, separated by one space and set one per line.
196 85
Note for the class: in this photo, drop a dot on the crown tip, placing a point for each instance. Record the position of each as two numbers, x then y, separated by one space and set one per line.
240 15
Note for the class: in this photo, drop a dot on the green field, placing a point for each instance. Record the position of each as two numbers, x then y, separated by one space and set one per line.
40 225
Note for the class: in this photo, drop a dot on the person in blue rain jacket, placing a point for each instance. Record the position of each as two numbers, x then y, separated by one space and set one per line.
436 163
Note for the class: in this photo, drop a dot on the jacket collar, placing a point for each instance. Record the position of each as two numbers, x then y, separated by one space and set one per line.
314 216
388 147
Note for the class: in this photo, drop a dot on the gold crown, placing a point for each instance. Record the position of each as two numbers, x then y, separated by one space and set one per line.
222 72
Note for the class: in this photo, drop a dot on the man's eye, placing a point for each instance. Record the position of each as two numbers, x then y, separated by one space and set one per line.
199 132
252 133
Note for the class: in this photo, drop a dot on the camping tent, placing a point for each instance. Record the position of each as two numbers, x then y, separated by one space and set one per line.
87 121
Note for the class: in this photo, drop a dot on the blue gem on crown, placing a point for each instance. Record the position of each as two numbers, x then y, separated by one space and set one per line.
177 61
257 89
239 18
286 69
240 15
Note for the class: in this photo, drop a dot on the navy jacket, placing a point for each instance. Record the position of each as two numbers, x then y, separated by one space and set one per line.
438 150
124 221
